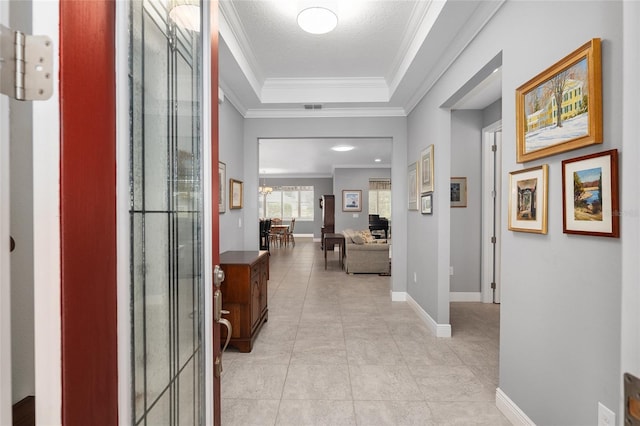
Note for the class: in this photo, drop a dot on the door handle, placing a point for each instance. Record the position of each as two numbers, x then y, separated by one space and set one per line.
227 324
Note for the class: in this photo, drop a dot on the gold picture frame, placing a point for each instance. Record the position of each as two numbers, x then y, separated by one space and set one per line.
426 170
560 109
528 197
235 194
412 186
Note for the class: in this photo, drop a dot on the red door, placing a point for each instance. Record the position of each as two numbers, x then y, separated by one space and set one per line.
88 210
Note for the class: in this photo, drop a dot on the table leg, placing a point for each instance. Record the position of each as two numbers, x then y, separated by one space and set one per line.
325 255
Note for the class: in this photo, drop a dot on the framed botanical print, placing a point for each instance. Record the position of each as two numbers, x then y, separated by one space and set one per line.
235 194
426 201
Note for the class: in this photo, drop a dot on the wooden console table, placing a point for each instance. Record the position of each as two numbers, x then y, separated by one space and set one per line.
244 295
329 241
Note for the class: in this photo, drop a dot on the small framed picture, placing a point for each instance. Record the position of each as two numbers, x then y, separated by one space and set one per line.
351 200
412 185
426 170
222 179
458 192
426 203
590 195
235 194
528 190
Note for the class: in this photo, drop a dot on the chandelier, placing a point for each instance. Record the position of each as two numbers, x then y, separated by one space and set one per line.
264 189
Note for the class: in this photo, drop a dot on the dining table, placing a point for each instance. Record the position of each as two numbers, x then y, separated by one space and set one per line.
279 230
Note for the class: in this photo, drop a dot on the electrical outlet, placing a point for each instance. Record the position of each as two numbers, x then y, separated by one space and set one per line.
239 222
606 417
451 270
415 277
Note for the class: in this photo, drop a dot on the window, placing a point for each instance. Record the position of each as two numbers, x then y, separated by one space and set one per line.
288 202
380 197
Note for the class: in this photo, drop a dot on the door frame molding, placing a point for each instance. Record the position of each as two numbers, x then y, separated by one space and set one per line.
123 102
487 213
5 262
46 231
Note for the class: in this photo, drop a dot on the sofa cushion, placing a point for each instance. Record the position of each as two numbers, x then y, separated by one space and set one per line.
358 238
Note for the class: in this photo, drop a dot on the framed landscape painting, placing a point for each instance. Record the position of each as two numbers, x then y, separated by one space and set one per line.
560 109
351 200
528 191
458 192
590 195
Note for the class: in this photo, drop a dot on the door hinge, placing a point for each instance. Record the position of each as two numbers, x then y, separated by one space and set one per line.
493 286
493 240
494 148
26 65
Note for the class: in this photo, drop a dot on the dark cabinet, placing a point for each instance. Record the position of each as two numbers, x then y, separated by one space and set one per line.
328 217
244 295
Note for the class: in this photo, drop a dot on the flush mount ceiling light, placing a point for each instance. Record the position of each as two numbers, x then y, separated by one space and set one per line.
317 20
342 148
186 14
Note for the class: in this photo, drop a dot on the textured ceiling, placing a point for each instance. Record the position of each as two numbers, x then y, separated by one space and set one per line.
381 59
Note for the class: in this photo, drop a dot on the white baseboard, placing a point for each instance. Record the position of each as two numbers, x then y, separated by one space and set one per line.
439 330
511 411
461 296
398 296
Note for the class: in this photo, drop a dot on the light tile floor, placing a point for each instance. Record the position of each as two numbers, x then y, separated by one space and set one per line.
337 351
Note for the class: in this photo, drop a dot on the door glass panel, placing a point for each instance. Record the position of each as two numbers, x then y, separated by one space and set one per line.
166 219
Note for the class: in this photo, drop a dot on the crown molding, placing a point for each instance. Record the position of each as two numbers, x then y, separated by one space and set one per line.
314 90
476 24
239 45
422 21
326 113
233 99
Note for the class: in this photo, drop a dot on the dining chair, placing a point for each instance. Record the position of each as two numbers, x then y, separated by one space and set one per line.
288 235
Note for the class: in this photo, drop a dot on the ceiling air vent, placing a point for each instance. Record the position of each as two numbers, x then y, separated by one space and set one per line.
313 106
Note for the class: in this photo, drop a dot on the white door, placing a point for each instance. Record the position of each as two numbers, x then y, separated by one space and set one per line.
5 275
491 136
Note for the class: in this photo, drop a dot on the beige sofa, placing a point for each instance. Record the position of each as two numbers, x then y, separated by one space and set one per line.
364 254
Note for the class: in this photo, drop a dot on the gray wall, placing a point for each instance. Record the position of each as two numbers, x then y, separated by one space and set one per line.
355 179
321 186
231 152
560 312
466 141
492 113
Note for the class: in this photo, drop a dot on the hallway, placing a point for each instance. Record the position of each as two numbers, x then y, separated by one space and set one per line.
337 351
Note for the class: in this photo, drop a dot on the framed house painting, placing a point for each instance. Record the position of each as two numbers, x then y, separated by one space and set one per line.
426 170
351 200
528 191
235 194
560 109
590 195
